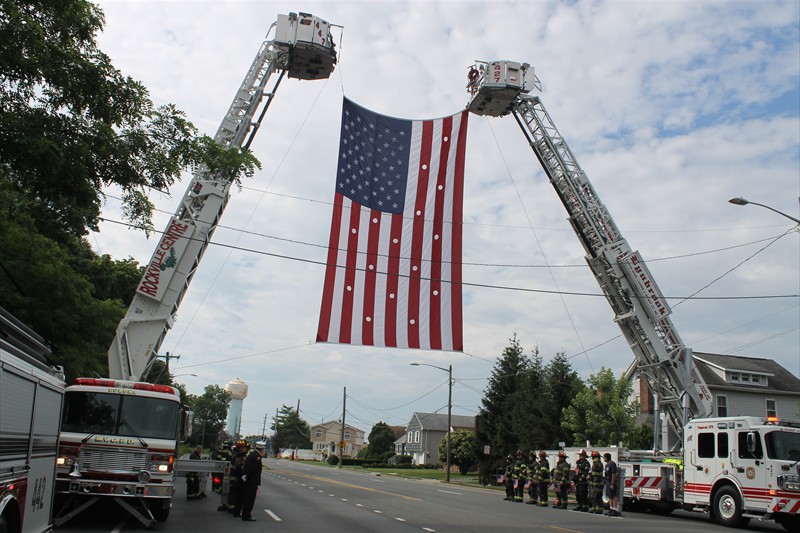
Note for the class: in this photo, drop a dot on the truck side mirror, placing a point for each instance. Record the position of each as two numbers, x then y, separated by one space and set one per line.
187 417
751 442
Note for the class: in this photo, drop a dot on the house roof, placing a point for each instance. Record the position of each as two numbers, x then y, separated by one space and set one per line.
335 423
438 422
780 379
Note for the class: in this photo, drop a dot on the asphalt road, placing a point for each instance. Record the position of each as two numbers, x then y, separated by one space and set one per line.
298 497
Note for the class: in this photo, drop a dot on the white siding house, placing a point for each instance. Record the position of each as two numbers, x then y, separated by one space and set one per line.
739 386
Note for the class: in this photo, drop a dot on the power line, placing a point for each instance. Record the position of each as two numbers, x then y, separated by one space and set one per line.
482 285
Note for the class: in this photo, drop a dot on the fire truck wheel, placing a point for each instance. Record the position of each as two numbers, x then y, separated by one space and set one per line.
728 507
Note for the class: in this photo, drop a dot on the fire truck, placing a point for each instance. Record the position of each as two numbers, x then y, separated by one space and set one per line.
120 435
31 395
734 468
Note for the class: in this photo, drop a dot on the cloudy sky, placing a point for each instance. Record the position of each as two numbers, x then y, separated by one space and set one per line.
671 108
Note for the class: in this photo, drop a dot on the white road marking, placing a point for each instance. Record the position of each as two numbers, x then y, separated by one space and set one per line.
427 529
273 515
400 519
359 505
450 492
344 499
377 511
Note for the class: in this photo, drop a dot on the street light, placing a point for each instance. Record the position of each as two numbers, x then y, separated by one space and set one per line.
179 375
742 201
449 371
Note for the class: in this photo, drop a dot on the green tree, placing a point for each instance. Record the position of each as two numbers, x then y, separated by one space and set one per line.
602 412
500 398
462 449
562 384
381 443
40 285
210 411
71 123
291 431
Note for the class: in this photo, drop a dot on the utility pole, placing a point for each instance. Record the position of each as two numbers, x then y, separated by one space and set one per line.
341 439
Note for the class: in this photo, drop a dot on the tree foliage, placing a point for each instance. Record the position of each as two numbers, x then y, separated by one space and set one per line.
210 411
381 443
71 126
602 412
291 431
462 449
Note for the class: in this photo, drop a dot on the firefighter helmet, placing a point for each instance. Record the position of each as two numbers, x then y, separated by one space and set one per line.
595 453
542 453
562 453
582 452
241 443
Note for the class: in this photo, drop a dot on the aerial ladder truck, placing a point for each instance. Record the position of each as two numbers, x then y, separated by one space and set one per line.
734 468
120 435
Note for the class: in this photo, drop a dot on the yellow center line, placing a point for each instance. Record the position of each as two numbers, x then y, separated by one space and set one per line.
565 529
350 485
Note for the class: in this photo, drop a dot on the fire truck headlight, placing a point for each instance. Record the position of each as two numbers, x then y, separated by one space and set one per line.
144 476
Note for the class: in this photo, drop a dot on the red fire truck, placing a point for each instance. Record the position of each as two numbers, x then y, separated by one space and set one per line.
31 395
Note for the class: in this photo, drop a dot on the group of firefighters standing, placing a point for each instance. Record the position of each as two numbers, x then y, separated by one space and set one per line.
244 478
590 480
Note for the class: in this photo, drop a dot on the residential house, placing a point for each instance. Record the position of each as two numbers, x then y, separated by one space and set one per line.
325 438
425 431
739 386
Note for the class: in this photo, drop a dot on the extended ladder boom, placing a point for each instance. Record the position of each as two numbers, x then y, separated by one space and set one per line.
301 47
640 310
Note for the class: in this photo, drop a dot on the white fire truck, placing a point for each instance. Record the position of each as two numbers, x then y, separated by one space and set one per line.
120 435
31 394
733 468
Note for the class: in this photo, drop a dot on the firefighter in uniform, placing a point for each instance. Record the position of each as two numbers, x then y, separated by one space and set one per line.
193 491
597 482
542 477
561 481
509 481
237 471
532 486
520 471
582 474
223 453
251 480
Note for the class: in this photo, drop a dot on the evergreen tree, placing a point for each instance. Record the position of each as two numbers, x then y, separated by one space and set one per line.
210 411
562 384
501 400
291 431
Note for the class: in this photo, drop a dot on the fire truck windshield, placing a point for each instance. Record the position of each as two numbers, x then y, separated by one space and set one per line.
783 445
120 415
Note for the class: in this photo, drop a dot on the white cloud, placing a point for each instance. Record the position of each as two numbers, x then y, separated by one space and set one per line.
671 108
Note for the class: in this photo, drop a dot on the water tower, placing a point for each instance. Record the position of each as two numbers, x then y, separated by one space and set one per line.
238 390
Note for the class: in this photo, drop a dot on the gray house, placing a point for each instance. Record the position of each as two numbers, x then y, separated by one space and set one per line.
425 431
739 386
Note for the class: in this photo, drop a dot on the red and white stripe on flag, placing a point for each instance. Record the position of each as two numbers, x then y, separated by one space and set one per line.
393 279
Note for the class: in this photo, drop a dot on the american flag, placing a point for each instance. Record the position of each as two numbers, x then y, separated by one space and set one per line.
393 275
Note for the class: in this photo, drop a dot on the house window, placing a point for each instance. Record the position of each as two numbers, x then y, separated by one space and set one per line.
318 433
745 378
722 406
755 379
416 436
772 409
346 435
409 437
734 376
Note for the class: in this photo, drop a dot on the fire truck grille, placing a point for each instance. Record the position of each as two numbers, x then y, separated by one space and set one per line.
104 459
